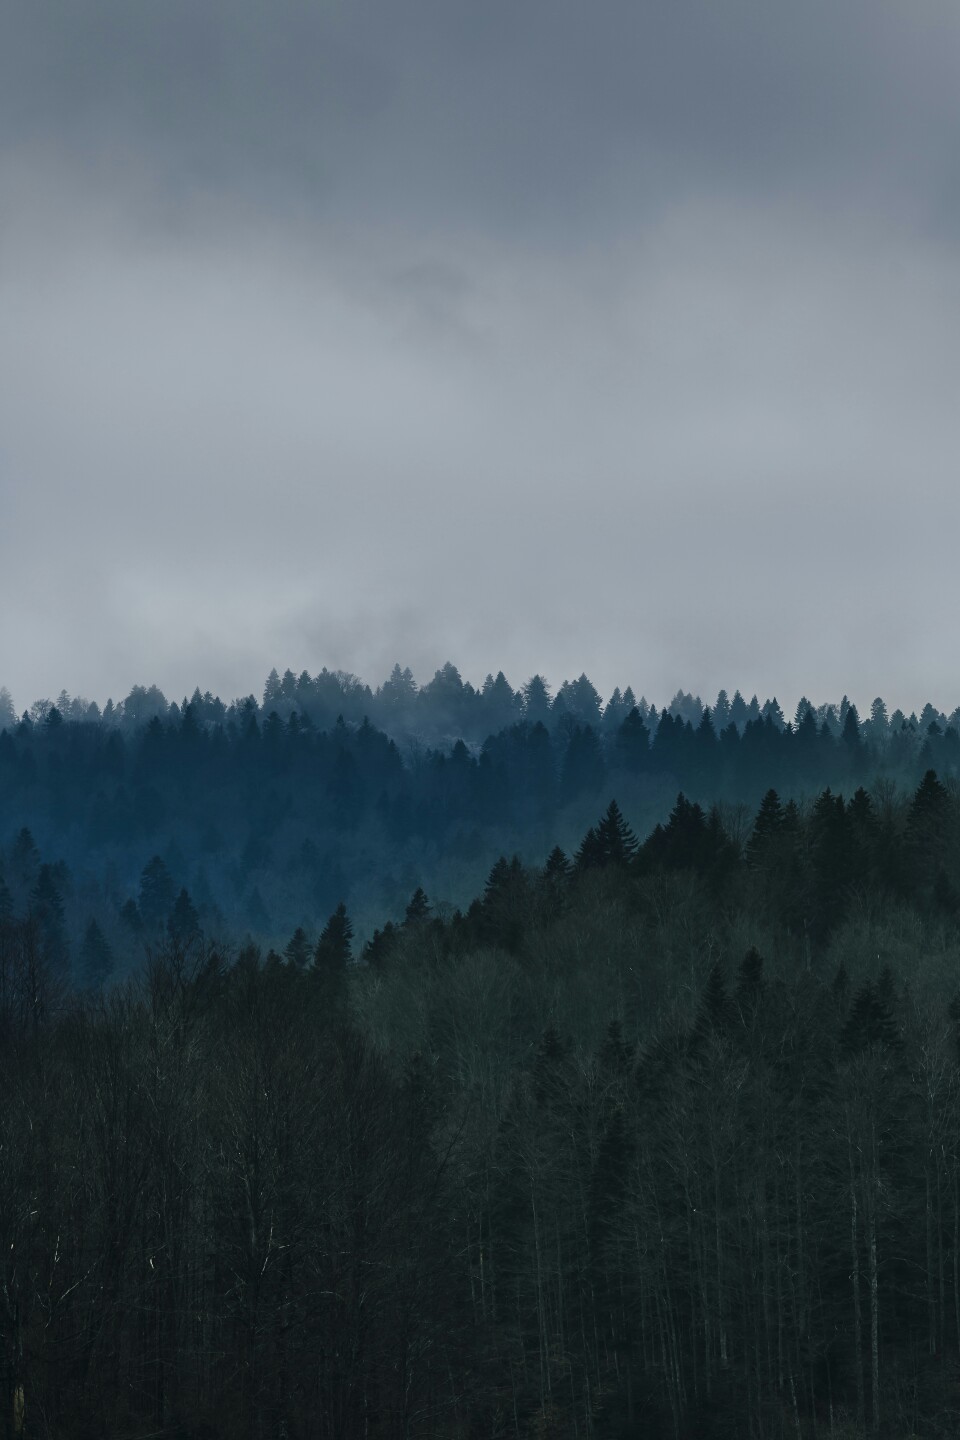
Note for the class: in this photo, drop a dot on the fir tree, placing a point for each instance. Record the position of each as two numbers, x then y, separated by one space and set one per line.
333 953
297 949
766 828
558 866
869 1023
377 950
46 904
95 961
156 894
131 917
632 745
183 922
6 901
616 841
418 909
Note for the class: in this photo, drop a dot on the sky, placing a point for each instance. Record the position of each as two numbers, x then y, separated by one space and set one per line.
533 335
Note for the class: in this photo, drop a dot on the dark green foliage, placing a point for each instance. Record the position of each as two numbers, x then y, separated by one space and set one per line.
682 843
930 827
131 917
870 1022
750 978
503 913
183 922
46 905
6 901
632 747
25 857
418 910
767 828
379 948
297 950
333 953
715 1012
590 852
611 842
95 960
583 764
945 895
447 769
616 841
599 1184
558 867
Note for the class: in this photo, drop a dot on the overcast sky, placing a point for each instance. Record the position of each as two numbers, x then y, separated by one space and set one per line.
535 335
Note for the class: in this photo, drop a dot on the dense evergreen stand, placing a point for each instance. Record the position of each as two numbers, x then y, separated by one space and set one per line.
660 1140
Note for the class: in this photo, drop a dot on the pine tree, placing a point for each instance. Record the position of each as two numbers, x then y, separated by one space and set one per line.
583 768
377 950
589 855
616 841
928 826
418 909
156 894
297 949
869 1023
183 922
131 917
750 977
504 910
25 858
46 904
766 828
536 701
333 953
6 901
96 958
558 866
714 1011
632 745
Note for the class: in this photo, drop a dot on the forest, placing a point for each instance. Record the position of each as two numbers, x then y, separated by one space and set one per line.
263 818
655 1132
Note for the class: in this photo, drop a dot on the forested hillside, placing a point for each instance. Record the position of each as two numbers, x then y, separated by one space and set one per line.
655 1139
260 819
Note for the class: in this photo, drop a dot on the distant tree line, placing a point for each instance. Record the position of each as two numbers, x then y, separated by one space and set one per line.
257 820
448 707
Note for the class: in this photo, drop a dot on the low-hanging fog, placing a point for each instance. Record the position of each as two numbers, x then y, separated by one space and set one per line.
541 337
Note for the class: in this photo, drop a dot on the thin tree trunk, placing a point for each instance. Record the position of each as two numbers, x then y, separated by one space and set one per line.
874 1316
857 1317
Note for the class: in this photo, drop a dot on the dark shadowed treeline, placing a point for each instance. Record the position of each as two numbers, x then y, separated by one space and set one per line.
265 818
658 1139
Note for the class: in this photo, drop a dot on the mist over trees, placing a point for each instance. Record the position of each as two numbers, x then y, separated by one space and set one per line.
659 1137
259 818
441 1062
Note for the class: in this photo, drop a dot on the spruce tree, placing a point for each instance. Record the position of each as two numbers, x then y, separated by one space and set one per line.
297 949
616 841
183 922
589 855
95 959
377 950
632 744
418 909
46 904
156 894
558 866
6 901
333 953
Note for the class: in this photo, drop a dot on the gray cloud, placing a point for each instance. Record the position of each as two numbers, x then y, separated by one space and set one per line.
538 336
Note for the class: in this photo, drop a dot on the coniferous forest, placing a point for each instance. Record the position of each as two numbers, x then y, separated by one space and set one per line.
446 1062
